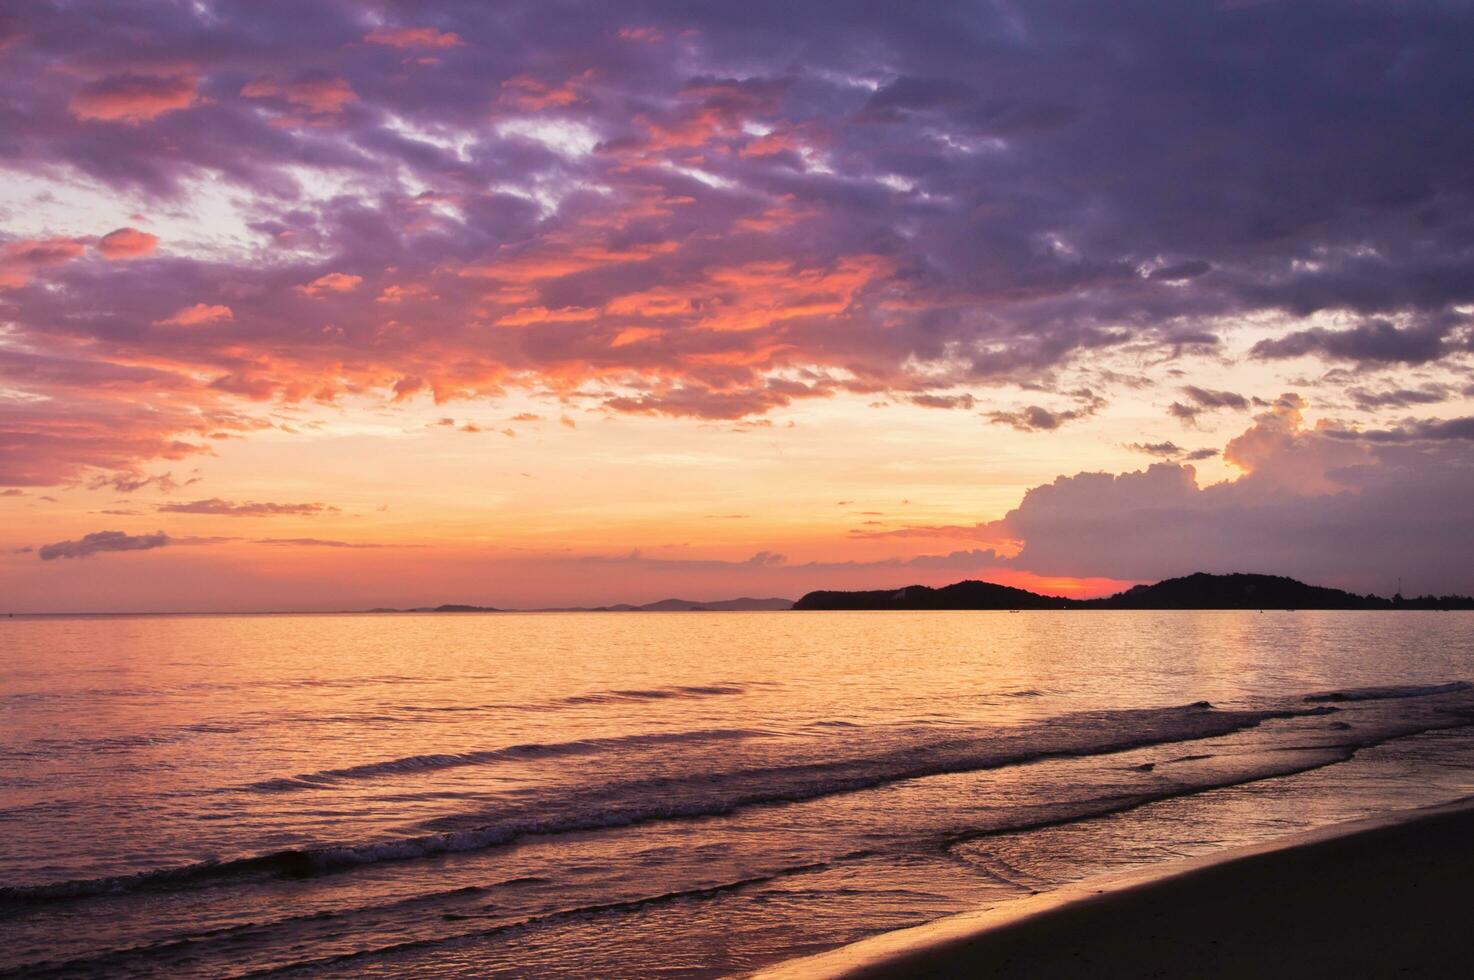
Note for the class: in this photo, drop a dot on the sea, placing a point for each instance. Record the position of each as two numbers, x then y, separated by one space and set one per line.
664 794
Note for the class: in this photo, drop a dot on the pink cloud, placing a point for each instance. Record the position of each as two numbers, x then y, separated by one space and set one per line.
127 243
333 282
324 95
198 315
19 260
400 293
413 37
529 315
647 35
527 92
134 98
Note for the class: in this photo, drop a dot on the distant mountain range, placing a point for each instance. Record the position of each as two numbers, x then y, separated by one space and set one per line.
664 605
1197 591
687 605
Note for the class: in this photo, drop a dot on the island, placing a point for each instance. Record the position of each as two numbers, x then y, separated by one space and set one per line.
1197 591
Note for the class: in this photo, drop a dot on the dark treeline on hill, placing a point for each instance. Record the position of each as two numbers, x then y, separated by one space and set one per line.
1197 591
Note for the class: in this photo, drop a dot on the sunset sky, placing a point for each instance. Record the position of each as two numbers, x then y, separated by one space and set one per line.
338 305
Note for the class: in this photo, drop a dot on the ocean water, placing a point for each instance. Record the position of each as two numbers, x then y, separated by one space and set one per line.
677 794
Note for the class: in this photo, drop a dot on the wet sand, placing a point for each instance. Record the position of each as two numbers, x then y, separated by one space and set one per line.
1383 897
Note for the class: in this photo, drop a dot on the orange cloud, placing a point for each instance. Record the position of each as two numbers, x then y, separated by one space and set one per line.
398 294
1278 450
527 92
778 216
633 335
333 282
127 243
413 37
19 260
197 315
134 98
324 96
710 110
757 294
770 144
529 315
560 259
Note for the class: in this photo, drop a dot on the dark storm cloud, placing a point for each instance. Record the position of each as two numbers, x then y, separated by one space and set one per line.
685 204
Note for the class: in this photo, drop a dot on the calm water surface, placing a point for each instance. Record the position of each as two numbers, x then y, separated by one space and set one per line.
675 794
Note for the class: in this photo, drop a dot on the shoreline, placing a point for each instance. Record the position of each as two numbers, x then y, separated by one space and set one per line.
1373 897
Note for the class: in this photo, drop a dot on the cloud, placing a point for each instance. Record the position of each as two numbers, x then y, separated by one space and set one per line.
20 260
1037 419
333 282
133 482
1376 341
198 315
100 541
1422 430
127 243
134 98
1368 400
1202 400
1314 502
1180 271
1034 419
319 543
250 508
943 401
1171 450
413 37
891 214
317 94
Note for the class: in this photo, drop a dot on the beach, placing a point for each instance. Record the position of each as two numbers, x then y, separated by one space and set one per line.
1387 896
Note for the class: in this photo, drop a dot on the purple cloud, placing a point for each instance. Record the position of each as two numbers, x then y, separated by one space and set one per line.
703 214
100 541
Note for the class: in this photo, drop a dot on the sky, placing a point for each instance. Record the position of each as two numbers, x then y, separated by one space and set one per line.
333 305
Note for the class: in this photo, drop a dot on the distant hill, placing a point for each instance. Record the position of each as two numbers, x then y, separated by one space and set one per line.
960 595
1197 591
1238 591
721 605
690 605
663 605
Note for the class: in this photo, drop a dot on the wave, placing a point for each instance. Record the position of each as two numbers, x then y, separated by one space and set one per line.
530 750
45 747
189 950
1390 692
700 794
